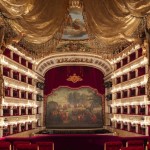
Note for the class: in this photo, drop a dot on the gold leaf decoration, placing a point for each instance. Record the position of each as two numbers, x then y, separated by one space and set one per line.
74 78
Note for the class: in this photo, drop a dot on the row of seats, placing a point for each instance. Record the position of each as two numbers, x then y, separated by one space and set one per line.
25 145
130 145
133 148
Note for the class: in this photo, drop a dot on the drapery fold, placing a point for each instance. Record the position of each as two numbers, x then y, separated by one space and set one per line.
38 19
107 18
86 73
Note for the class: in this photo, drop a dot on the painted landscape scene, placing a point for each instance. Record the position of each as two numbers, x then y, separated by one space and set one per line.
74 108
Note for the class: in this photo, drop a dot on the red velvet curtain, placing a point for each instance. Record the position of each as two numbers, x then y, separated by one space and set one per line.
141 71
23 61
132 56
57 77
132 74
7 91
15 111
16 57
125 77
118 110
7 52
118 80
118 95
6 71
125 61
29 65
140 52
16 75
118 65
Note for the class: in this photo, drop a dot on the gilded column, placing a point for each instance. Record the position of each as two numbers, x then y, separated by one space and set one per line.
2 49
1 80
146 52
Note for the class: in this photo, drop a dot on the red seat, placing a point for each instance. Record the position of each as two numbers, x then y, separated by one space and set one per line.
26 147
135 143
5 145
113 145
19 142
45 145
133 148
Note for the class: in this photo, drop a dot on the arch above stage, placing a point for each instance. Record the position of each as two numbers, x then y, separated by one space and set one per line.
75 59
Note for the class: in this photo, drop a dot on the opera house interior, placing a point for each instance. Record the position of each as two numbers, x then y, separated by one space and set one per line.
74 74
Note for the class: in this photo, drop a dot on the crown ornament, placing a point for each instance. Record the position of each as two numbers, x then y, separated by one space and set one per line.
74 78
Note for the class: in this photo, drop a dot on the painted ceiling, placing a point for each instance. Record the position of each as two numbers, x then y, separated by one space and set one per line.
74 28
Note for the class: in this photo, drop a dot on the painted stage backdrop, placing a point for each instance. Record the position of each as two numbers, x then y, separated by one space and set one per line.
74 108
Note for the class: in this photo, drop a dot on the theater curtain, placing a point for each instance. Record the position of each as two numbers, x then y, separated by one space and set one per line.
57 77
108 18
38 19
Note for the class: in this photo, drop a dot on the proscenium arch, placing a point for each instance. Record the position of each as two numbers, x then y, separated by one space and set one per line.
74 59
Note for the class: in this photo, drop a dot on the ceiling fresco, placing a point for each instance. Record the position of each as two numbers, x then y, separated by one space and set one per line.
75 26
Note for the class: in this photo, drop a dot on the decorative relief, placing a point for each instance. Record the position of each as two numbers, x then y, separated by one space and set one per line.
142 61
74 47
129 102
70 59
9 82
73 59
1 86
127 118
148 88
139 81
74 78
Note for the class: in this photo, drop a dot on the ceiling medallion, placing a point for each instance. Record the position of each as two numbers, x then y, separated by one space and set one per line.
74 78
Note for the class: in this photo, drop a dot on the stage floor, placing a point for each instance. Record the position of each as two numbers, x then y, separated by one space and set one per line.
75 131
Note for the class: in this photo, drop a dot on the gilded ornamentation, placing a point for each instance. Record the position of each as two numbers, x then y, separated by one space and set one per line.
74 47
71 59
74 78
1 86
144 48
148 88
2 48
75 4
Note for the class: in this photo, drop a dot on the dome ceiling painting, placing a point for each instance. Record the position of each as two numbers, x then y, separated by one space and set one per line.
41 28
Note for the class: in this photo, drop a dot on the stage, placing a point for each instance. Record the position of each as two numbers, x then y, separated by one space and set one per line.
75 131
